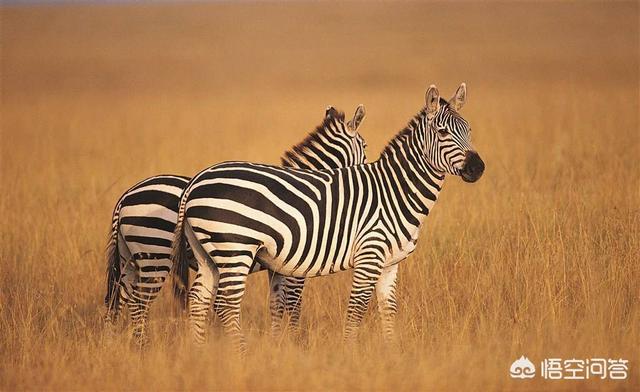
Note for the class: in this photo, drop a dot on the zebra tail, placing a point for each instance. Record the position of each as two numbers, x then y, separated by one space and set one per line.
112 298
179 257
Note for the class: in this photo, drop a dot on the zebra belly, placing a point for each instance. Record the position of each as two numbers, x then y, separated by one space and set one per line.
307 268
408 246
402 254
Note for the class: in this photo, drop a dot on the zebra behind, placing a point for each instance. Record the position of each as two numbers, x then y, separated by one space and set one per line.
145 217
306 223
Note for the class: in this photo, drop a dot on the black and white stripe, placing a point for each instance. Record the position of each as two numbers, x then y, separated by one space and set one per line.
145 218
306 223
138 253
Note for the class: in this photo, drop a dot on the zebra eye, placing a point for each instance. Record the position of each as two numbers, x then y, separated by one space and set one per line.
443 131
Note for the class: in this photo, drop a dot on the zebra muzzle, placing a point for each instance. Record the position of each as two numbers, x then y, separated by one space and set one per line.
473 167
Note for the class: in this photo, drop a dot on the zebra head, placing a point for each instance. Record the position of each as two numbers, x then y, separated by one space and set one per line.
334 144
353 144
448 136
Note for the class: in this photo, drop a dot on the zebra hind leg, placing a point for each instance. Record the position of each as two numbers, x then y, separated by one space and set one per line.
200 297
233 272
149 278
126 271
124 295
114 309
138 310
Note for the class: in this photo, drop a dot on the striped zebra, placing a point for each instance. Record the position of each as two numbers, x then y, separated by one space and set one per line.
306 223
145 218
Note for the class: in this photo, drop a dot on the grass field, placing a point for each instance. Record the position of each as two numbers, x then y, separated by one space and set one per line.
541 257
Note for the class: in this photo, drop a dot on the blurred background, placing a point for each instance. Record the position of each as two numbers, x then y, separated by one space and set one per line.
173 71
539 258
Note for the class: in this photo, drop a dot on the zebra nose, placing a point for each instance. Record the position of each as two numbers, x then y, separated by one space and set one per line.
473 167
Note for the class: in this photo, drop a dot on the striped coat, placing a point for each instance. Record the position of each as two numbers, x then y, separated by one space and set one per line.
306 223
145 218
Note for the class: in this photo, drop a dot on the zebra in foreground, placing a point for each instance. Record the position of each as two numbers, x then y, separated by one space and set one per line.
306 223
145 217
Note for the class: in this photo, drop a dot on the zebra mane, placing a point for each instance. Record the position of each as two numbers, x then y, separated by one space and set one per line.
444 102
313 138
407 132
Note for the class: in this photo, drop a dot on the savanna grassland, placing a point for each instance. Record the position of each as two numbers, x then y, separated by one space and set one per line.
540 257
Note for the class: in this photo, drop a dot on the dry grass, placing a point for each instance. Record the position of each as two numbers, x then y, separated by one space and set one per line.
541 257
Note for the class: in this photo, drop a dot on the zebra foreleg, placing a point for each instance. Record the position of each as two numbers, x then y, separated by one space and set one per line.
387 305
285 296
277 302
365 277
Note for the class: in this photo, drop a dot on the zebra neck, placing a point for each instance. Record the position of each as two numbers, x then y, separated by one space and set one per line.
404 166
414 185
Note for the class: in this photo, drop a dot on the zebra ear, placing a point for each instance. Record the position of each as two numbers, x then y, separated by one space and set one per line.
433 100
355 122
331 112
459 98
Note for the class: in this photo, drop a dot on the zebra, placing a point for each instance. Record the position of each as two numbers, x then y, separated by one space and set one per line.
306 223
145 216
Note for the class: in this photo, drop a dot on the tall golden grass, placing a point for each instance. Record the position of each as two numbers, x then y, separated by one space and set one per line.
540 257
